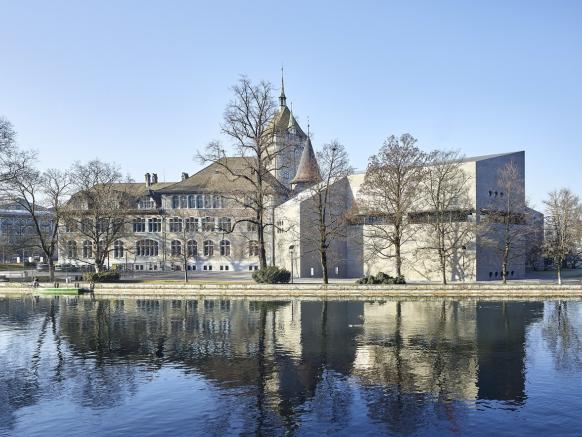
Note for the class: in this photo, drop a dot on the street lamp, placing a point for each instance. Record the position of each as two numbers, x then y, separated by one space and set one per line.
291 252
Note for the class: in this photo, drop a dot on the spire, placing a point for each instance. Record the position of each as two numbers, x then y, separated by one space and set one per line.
282 98
308 169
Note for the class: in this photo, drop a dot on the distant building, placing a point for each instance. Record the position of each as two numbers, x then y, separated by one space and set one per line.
18 238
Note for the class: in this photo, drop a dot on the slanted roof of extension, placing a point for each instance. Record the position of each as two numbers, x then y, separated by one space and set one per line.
215 178
308 169
492 156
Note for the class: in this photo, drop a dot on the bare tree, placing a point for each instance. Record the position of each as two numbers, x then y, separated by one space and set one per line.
326 218
562 226
43 196
13 161
249 123
99 210
444 210
390 190
506 224
184 246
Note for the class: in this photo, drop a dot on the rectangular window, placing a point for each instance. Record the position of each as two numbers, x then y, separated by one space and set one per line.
138 225
155 225
183 201
216 201
207 201
199 201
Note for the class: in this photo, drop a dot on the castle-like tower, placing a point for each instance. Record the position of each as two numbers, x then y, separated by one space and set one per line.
288 142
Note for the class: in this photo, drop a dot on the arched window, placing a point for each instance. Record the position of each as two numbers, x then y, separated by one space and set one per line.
176 248
87 249
208 248
192 248
118 249
191 201
253 248
146 248
224 248
175 202
175 224
71 249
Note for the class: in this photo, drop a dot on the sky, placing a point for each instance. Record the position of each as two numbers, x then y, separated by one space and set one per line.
144 83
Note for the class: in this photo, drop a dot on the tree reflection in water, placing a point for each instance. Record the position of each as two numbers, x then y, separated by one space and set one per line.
277 365
561 331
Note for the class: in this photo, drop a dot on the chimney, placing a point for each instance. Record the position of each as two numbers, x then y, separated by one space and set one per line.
184 176
154 178
148 179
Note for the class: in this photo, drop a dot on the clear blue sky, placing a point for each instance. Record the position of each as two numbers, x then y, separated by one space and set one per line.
145 83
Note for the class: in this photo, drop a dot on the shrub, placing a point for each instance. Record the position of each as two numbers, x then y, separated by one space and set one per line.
109 276
272 275
381 278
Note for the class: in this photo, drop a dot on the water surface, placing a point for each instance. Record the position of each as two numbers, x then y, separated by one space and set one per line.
77 366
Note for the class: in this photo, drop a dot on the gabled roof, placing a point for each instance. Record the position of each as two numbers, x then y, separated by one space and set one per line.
216 178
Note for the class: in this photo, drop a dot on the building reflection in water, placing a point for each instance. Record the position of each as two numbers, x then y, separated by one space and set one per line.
401 355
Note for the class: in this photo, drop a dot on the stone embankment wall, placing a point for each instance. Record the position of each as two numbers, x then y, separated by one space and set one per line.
488 290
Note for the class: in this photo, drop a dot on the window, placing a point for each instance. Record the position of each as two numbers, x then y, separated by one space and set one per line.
280 226
216 203
175 224
208 248
207 224
199 201
224 224
155 224
224 248
139 224
192 248
87 249
252 227
183 201
253 248
207 201
191 224
146 248
86 225
192 201
175 202
71 249
102 225
176 248
70 226
146 203
118 249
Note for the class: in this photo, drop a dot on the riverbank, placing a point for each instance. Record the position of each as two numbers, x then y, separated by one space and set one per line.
513 290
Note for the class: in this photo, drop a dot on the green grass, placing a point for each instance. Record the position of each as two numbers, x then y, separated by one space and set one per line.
5 267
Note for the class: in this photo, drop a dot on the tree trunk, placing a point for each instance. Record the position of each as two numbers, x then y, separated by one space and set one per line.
324 266
398 260
559 273
51 268
443 266
262 251
185 270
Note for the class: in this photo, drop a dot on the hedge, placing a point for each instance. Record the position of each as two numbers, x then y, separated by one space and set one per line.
109 276
381 278
272 275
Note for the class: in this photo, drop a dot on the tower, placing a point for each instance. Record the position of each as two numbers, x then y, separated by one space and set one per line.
289 140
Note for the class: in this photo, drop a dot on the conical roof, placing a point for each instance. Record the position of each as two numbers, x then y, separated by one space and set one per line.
308 170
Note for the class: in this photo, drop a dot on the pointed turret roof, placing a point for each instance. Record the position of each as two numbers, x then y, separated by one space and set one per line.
308 170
